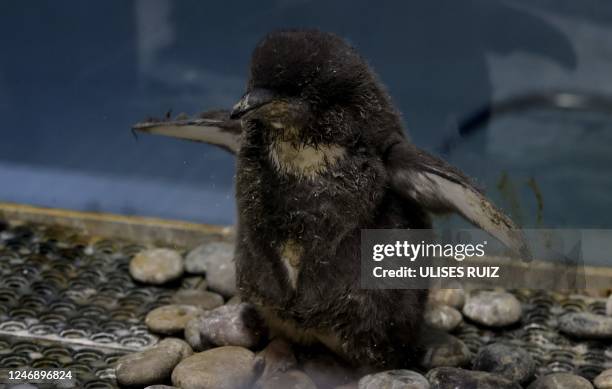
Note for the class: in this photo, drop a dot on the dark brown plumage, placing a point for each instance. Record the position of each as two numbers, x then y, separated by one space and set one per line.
321 156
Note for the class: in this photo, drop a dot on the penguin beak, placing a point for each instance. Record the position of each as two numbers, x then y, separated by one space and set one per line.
250 101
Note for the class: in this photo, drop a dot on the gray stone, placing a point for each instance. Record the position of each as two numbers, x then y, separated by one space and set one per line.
170 319
198 259
226 367
442 349
227 325
443 317
222 279
609 306
216 260
198 298
586 325
452 297
513 363
293 379
493 309
604 380
455 378
156 266
561 381
151 366
394 379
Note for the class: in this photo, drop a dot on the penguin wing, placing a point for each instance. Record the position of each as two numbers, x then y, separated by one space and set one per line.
213 127
440 188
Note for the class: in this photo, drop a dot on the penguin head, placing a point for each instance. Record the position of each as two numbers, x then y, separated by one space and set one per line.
309 84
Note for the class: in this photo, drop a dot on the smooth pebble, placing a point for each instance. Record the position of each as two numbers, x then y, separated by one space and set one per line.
443 317
604 380
170 319
151 366
198 298
586 325
226 367
513 363
561 381
227 325
216 259
493 309
394 379
156 266
452 297
455 378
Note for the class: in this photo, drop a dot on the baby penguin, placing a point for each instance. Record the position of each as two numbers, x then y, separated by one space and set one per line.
322 155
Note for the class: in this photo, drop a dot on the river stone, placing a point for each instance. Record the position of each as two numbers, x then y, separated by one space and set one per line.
234 300
609 306
226 367
561 381
156 266
443 317
452 297
293 379
493 309
170 319
153 365
442 349
604 380
227 325
586 325
216 259
198 259
394 379
455 378
198 298
513 363
277 357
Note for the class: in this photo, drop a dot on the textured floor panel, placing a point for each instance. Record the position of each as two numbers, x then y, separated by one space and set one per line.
91 365
537 333
67 301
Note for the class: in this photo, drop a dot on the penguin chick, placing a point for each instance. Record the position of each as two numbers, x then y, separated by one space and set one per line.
322 155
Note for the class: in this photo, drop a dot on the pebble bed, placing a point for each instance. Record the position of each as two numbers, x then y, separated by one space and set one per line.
120 314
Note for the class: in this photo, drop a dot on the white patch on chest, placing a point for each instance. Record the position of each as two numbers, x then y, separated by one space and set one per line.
304 160
291 256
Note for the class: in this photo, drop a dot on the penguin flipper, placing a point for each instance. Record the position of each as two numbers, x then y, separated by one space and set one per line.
212 127
440 188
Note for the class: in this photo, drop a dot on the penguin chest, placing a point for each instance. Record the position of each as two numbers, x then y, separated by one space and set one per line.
304 161
290 254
